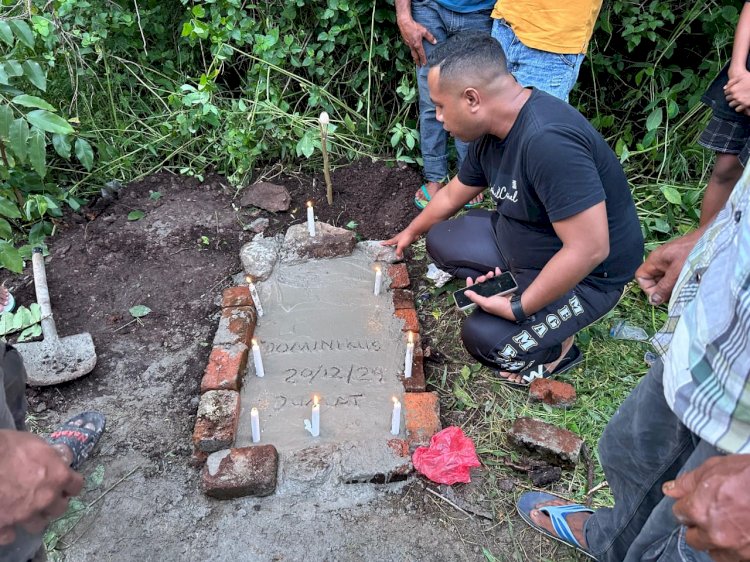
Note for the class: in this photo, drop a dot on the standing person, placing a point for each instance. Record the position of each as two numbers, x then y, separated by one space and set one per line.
676 454
545 41
565 224
38 476
728 131
424 24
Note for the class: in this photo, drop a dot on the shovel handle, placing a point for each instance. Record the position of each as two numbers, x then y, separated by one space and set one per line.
42 294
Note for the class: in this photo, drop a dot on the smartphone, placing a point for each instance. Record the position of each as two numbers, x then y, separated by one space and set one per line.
499 285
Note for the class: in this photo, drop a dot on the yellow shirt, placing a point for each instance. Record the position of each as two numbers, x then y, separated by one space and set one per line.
556 26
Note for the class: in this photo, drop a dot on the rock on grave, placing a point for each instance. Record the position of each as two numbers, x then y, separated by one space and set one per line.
247 471
328 242
258 225
259 256
377 252
267 196
553 444
552 392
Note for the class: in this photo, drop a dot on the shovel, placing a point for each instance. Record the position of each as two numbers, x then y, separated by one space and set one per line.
54 360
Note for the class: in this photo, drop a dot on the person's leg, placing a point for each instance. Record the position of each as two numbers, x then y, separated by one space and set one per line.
553 73
433 138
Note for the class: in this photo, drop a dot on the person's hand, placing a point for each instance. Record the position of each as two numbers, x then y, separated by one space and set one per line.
402 240
497 305
712 502
413 33
658 274
36 484
737 92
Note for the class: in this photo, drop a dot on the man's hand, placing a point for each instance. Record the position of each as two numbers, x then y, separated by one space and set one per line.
413 33
658 274
737 92
712 502
36 484
402 240
497 305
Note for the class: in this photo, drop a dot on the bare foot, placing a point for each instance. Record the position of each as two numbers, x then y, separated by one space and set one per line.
432 188
576 521
518 377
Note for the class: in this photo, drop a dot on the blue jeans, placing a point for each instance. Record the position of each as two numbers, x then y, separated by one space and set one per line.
553 73
643 446
442 23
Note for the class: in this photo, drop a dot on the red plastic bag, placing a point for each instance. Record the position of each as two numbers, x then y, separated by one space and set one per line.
448 458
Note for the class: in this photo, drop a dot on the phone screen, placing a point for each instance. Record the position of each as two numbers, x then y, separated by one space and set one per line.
499 285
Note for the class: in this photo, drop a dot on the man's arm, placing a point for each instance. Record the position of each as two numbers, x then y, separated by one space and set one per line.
412 32
443 205
585 238
712 502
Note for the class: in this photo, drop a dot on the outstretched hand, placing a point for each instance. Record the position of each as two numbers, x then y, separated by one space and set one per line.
712 502
496 304
658 275
36 484
402 240
413 33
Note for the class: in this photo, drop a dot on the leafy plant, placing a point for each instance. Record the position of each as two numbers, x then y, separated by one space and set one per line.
23 320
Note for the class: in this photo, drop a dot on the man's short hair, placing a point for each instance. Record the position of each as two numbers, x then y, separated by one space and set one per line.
469 53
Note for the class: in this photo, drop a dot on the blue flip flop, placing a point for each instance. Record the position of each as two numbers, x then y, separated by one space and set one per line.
557 513
422 203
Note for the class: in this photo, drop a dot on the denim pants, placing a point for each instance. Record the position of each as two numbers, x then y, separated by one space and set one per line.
553 73
442 23
13 417
643 446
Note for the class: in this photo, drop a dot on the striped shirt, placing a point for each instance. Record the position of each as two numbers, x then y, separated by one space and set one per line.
706 340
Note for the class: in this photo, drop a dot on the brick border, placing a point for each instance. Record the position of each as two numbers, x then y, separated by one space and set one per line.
230 472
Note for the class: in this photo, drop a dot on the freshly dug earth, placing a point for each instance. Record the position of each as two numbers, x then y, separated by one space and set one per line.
176 260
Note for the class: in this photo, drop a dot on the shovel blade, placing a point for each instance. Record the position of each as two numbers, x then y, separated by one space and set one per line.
58 360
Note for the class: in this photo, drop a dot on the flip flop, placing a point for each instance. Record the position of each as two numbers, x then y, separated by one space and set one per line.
422 203
557 513
79 438
572 358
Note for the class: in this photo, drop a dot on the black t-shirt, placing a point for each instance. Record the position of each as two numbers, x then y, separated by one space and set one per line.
715 99
552 165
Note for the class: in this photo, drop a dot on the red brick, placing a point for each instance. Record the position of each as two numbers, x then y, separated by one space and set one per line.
247 471
236 296
551 443
421 417
226 365
403 299
416 383
399 446
216 422
237 325
399 276
552 392
411 322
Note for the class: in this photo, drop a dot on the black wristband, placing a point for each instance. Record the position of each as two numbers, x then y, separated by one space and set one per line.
517 308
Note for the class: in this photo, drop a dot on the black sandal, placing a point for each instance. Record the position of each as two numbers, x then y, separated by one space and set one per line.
78 437
571 359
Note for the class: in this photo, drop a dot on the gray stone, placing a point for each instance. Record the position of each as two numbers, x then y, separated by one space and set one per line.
551 443
259 256
268 196
312 465
328 242
378 252
258 225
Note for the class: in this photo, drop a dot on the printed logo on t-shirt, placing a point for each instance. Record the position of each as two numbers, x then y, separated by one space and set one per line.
504 193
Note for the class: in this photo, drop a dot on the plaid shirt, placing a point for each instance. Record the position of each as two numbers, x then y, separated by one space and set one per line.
706 340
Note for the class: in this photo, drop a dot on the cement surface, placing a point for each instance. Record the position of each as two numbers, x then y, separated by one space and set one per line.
325 333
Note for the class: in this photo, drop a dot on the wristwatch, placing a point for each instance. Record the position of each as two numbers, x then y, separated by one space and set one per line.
517 308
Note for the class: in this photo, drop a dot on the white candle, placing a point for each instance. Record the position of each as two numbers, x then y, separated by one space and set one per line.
310 219
255 425
396 417
315 417
259 372
254 295
378 280
409 360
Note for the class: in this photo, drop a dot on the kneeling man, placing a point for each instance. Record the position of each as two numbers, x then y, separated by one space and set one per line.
565 223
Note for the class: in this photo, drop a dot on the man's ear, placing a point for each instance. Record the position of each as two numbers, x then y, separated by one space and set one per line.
472 98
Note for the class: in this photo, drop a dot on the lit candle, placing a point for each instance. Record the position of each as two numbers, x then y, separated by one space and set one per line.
396 417
254 295
257 360
255 425
315 417
409 360
378 280
310 219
